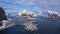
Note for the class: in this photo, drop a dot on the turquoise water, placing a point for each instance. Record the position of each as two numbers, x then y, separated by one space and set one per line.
46 26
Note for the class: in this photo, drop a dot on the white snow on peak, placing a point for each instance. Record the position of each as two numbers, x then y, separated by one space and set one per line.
51 12
54 12
42 13
48 13
27 12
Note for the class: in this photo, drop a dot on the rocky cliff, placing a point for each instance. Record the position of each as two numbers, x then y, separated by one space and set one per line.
2 14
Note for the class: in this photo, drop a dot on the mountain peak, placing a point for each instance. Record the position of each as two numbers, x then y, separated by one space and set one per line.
27 12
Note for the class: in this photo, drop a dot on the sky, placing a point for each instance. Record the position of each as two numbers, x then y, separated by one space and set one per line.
36 5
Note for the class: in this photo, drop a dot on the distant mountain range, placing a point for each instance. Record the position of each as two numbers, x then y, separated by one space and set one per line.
48 14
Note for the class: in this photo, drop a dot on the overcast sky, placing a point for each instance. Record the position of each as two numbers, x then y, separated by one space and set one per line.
37 5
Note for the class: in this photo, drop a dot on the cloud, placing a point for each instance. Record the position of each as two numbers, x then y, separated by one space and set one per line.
32 2
8 1
24 2
43 4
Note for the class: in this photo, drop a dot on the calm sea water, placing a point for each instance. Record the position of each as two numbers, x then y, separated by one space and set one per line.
46 26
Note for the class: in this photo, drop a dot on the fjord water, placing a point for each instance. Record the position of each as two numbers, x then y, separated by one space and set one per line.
46 26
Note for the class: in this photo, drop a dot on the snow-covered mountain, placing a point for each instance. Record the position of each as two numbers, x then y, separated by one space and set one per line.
47 14
50 14
27 12
53 12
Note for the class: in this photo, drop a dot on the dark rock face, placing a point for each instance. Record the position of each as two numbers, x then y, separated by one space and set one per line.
2 14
